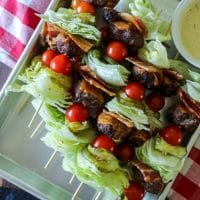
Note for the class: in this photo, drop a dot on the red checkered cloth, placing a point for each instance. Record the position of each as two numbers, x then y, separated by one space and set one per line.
187 183
18 21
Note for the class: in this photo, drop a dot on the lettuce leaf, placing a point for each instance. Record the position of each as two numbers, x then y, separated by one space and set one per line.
167 165
157 28
80 24
155 53
137 112
106 69
98 168
43 83
192 86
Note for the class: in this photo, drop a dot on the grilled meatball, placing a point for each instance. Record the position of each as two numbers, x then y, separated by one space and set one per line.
89 96
168 87
146 73
111 15
97 3
112 127
127 33
147 177
180 115
138 137
65 45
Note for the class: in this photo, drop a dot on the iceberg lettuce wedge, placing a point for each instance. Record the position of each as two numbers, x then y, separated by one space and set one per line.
157 28
80 24
106 69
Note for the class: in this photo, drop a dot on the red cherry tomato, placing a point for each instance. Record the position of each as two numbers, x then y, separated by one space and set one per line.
61 64
77 112
84 7
117 50
134 191
124 152
155 101
104 33
135 90
105 142
75 4
172 134
47 56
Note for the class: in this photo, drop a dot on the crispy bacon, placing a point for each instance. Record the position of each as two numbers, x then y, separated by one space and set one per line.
148 177
94 80
192 105
145 72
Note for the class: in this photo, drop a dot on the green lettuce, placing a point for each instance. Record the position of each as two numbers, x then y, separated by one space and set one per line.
106 69
135 111
98 168
80 24
166 164
43 83
192 86
155 53
62 129
157 28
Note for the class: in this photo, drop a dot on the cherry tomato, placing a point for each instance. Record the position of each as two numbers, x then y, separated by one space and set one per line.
47 56
61 64
135 90
105 142
155 101
84 7
75 4
117 50
134 191
172 134
77 112
104 33
124 152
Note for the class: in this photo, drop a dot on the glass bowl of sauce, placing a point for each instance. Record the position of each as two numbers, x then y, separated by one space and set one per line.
186 30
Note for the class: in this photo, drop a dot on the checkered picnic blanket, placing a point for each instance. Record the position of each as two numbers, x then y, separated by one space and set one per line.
18 21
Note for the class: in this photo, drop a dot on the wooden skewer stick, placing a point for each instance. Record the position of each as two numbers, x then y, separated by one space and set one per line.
50 159
36 129
98 195
35 114
177 55
72 179
77 191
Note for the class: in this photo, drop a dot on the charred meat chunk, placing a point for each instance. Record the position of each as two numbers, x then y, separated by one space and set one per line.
97 3
168 87
146 73
65 45
149 178
111 15
89 96
127 33
172 80
138 137
111 126
181 116
61 40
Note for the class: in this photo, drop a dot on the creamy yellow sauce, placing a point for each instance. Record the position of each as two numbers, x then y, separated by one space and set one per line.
190 29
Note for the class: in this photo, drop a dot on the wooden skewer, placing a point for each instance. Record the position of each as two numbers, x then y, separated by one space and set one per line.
35 114
98 195
72 179
77 191
36 129
177 55
50 159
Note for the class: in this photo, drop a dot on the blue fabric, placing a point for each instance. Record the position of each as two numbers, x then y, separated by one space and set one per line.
15 194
